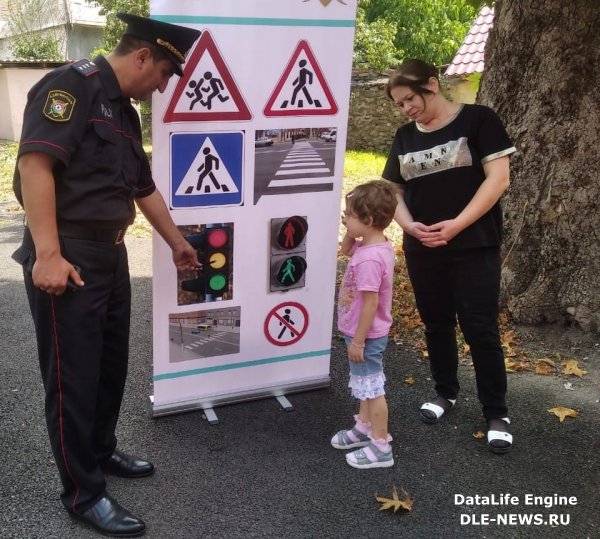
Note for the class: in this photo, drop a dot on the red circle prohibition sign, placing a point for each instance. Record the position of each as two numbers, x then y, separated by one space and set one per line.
288 328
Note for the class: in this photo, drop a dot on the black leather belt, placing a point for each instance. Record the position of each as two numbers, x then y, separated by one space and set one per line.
114 236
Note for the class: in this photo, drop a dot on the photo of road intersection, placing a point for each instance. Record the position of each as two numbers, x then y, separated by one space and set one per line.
203 334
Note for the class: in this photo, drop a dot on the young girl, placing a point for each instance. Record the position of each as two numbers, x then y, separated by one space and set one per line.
364 317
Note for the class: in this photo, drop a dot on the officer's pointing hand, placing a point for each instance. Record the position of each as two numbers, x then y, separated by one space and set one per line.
186 257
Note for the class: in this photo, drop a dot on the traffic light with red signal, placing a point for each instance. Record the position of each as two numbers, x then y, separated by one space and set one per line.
215 251
288 253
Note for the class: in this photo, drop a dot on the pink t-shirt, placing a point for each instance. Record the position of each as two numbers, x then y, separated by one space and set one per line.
371 269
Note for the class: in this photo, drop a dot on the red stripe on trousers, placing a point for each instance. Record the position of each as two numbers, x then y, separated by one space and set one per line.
60 399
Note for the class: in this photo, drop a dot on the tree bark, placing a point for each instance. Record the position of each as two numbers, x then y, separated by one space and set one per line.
542 77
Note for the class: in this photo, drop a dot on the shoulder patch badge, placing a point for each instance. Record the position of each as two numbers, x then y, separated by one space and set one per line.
59 106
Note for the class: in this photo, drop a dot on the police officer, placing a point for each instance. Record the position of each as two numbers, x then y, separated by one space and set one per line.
80 166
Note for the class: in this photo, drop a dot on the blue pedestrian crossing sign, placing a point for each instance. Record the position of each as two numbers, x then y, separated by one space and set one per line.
207 169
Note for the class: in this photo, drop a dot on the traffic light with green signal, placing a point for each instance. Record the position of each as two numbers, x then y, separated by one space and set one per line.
288 253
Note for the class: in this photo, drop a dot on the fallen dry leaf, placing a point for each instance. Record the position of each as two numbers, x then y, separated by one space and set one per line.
546 361
509 365
572 367
478 435
410 380
561 412
543 367
412 324
508 338
522 366
395 502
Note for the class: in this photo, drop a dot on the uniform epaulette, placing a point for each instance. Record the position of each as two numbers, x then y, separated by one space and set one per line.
85 67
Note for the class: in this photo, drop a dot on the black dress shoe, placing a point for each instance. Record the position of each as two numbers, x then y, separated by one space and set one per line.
109 518
125 465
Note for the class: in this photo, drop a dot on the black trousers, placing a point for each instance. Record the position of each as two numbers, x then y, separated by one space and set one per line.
83 343
463 284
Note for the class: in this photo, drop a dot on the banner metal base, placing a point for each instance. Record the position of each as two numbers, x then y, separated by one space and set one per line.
209 403
285 404
211 417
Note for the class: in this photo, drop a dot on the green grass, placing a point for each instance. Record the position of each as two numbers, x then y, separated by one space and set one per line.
8 155
361 167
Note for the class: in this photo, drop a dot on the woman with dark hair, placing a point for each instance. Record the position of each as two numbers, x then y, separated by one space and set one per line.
451 165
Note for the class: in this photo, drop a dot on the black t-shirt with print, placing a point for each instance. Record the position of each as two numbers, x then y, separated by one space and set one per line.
442 169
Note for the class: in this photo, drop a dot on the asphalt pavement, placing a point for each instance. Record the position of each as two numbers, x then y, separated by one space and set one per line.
266 473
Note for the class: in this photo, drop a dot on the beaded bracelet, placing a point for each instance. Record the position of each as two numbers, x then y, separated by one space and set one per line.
355 344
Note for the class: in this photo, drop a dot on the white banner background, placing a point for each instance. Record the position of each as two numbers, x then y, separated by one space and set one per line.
256 40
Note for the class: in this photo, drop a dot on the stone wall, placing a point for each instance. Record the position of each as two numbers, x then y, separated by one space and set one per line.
373 118
3 10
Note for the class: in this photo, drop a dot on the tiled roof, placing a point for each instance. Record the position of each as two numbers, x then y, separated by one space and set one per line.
469 58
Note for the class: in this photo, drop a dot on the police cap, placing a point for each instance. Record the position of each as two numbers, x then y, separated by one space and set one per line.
174 40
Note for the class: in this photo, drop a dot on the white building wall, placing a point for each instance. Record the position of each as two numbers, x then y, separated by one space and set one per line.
15 82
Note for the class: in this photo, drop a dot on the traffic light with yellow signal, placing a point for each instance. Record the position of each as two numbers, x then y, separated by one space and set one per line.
217 260
288 253
215 252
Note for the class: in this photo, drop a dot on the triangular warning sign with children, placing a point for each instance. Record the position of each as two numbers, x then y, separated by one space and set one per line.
302 89
206 91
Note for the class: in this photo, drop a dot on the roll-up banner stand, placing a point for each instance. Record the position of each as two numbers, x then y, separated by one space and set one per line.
248 152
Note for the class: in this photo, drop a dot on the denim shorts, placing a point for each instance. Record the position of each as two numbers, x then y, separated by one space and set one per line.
373 354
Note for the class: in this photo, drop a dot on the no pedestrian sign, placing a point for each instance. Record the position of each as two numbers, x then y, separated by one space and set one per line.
286 323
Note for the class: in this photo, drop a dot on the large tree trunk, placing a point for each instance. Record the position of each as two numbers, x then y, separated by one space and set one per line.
542 77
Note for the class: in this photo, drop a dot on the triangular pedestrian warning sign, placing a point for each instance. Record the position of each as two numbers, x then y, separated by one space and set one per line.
206 91
302 89
207 174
